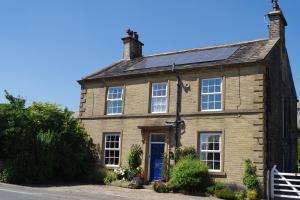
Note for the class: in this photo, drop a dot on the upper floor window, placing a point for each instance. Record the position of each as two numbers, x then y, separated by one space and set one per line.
112 149
159 98
211 94
210 150
114 100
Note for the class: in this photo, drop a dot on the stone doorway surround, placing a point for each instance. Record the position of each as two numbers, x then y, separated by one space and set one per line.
146 133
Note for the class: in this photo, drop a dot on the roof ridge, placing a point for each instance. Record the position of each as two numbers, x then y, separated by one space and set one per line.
206 48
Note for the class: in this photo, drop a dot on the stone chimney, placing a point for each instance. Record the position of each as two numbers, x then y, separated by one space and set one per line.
133 48
277 22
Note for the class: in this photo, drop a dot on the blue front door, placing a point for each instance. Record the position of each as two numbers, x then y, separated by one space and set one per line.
156 161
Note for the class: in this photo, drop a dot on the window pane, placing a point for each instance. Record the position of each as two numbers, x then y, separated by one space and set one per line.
210 151
112 150
217 166
211 94
157 138
204 98
218 81
210 156
204 146
216 146
159 104
204 106
218 105
205 82
203 156
114 100
205 89
217 156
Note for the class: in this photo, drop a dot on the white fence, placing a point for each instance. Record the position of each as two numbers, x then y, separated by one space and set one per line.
284 185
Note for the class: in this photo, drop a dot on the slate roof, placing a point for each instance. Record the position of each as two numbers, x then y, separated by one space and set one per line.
247 52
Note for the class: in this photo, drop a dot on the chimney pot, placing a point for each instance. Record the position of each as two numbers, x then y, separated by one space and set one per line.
277 22
133 48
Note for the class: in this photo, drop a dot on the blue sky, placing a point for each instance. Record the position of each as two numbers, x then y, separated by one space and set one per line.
46 45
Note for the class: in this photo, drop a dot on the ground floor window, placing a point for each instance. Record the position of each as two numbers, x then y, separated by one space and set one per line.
112 149
210 150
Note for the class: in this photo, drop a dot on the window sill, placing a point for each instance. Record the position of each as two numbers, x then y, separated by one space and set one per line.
218 174
111 167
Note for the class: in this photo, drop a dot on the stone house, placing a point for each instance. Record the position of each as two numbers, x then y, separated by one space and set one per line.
234 102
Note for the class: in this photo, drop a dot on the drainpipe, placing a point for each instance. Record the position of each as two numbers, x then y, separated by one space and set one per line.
178 120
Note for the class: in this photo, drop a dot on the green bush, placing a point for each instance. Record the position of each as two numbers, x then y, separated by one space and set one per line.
252 194
134 157
110 177
185 152
160 187
225 193
43 142
97 176
250 179
189 175
241 195
214 187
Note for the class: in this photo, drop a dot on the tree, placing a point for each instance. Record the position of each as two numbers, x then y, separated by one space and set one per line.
42 142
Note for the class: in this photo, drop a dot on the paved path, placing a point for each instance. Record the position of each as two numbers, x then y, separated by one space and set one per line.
86 192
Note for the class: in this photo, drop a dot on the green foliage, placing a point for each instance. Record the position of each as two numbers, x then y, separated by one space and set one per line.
165 172
250 179
185 152
97 176
225 193
134 157
43 142
133 172
110 177
189 175
214 187
160 187
241 195
252 195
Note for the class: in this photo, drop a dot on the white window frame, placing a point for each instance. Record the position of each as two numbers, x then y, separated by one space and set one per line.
118 99
208 93
212 151
166 96
112 149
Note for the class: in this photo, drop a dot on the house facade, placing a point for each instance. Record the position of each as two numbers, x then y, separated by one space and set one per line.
234 101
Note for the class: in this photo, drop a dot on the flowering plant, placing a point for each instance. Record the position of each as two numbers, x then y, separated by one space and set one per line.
121 173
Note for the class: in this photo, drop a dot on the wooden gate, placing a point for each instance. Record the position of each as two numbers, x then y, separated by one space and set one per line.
284 185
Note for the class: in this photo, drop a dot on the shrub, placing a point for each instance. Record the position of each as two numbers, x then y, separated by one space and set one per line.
252 194
214 187
97 176
189 175
241 195
160 187
134 172
165 172
185 152
225 193
134 157
110 177
121 173
43 142
250 179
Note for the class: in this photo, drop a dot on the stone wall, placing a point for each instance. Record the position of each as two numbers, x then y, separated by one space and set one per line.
241 121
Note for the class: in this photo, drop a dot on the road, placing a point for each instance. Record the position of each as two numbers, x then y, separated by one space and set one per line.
13 192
